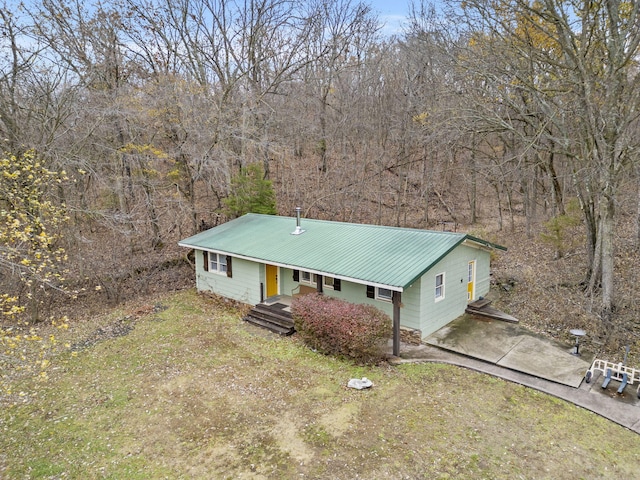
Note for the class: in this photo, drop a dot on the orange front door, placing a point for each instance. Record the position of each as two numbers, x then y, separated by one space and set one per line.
271 273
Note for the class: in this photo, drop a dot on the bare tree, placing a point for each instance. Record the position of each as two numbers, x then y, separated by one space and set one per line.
576 66
35 98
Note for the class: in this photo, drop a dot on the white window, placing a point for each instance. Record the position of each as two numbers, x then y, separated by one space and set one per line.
439 286
307 277
217 263
384 294
327 281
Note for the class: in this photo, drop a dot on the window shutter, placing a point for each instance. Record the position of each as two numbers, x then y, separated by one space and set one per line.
229 273
205 257
296 275
371 291
337 284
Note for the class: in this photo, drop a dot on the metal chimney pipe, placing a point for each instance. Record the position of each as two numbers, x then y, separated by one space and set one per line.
298 229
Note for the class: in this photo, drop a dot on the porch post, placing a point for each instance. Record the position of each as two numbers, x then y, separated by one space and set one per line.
396 299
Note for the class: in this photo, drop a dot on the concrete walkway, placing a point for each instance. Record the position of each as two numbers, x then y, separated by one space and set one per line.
527 359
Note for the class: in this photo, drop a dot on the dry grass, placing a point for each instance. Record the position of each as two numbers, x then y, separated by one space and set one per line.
193 392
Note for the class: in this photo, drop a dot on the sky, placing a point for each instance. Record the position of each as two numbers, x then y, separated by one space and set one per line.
391 12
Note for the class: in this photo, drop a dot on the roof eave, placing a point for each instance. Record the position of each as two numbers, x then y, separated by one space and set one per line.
428 267
490 245
395 288
478 241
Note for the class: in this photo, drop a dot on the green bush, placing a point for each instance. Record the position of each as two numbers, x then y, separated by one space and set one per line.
559 231
337 327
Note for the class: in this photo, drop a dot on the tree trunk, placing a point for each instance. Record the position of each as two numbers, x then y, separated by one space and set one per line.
525 183
607 251
474 182
638 211
556 190
426 188
591 234
496 187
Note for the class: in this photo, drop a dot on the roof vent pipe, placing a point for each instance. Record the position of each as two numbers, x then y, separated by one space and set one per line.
298 229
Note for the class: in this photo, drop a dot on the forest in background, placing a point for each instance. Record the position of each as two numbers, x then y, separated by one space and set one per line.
515 121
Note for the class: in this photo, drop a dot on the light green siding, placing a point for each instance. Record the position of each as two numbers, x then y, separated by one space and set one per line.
357 293
287 285
436 314
483 274
410 313
243 286
349 291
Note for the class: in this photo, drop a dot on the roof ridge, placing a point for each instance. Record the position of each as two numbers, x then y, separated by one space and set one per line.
356 224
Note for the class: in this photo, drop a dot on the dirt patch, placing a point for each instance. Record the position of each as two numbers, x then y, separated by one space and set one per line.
287 433
338 421
119 328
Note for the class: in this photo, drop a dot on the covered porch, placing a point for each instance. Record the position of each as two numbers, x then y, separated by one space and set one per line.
274 313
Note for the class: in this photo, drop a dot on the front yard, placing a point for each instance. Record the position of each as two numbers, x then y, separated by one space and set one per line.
191 391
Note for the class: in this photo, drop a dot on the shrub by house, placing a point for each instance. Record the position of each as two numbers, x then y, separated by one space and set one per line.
336 327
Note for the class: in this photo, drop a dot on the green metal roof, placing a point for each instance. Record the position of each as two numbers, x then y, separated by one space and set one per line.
391 257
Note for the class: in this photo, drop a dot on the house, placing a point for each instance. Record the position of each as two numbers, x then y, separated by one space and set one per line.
422 279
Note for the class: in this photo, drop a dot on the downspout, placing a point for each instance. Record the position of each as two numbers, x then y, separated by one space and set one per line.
396 299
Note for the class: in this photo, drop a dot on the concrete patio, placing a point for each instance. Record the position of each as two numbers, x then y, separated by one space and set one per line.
512 346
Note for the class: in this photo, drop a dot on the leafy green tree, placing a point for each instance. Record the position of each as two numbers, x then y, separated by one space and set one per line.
250 192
